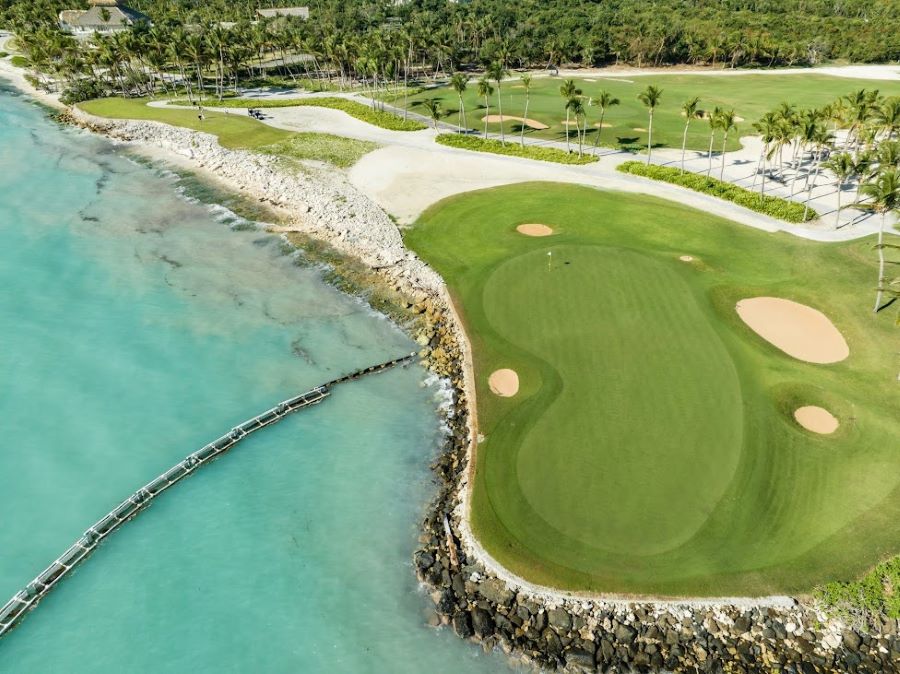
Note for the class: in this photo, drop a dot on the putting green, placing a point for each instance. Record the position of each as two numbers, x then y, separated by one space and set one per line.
652 448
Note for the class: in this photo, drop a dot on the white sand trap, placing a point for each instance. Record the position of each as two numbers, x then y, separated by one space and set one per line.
588 79
530 123
504 383
534 230
605 125
816 419
800 331
639 128
686 258
738 118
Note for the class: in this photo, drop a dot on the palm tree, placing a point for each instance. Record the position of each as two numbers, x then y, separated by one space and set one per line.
576 106
526 82
888 116
726 123
497 72
766 128
650 97
604 101
691 110
713 120
485 90
884 192
568 91
843 169
435 110
459 82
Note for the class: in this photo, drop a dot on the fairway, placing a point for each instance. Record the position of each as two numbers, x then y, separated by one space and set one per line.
751 96
652 446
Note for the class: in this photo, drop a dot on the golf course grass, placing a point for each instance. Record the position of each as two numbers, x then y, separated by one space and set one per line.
238 131
750 95
651 447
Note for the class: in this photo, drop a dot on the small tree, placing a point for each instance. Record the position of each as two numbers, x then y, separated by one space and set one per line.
691 110
884 192
526 83
568 91
604 101
726 123
435 110
650 97
459 82
485 90
497 72
842 168
713 119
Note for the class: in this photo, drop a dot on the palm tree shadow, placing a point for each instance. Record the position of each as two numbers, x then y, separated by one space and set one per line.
886 305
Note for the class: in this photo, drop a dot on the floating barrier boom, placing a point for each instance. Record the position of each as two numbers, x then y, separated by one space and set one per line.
27 598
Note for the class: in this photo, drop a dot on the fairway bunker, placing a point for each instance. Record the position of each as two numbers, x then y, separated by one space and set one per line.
686 258
504 383
534 230
530 123
799 330
816 419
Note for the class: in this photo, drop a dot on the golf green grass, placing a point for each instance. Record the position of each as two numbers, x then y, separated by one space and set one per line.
751 96
239 131
651 448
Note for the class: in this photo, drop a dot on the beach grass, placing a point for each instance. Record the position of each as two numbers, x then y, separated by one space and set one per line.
651 448
238 132
750 95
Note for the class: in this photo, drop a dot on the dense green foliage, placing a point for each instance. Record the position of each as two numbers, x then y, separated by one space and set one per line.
513 149
875 594
782 209
537 32
637 378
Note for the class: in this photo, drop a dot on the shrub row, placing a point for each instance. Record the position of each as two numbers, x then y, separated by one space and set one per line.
791 211
873 595
386 120
512 149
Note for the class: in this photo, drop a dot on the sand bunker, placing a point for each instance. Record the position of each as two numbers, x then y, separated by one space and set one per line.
816 419
605 125
504 383
800 331
534 230
639 128
530 123
686 258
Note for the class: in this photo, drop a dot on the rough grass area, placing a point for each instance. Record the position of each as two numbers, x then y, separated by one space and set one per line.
874 595
20 61
651 448
791 211
751 95
384 119
337 150
512 148
238 132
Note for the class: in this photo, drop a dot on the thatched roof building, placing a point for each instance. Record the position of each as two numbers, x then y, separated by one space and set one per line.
104 16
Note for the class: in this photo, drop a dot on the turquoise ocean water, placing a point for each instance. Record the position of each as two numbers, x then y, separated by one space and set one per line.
135 326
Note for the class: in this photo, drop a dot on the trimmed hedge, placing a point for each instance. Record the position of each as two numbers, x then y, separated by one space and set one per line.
791 211
386 120
512 149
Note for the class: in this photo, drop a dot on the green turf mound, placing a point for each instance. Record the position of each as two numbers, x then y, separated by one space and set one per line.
652 448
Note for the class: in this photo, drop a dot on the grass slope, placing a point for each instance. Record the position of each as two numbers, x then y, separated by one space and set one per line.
652 448
750 96
239 132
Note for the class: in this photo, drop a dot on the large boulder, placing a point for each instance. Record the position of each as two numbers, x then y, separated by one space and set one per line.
462 624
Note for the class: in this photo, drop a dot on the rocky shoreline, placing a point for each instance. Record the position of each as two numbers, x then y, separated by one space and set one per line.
548 629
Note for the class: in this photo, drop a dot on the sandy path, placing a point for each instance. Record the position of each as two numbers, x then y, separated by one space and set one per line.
816 419
800 331
504 382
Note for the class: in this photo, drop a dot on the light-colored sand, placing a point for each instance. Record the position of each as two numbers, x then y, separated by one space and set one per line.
589 79
534 230
738 118
639 128
816 419
800 331
605 125
530 123
686 258
504 383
